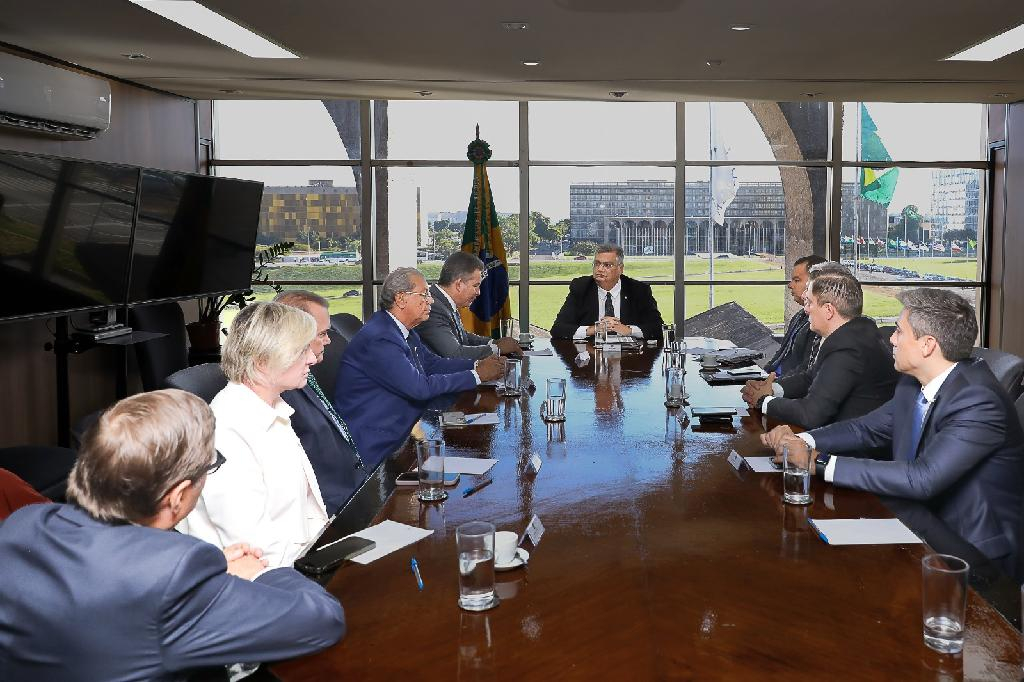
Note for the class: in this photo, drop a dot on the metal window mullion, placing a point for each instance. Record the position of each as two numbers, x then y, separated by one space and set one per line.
679 211
979 165
834 220
366 206
524 216
285 162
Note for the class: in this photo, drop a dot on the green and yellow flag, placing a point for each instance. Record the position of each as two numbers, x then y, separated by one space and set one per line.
876 184
483 239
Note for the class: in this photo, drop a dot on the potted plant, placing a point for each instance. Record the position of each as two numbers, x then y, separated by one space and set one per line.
204 334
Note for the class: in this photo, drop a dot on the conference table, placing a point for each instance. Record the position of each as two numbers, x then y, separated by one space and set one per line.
660 559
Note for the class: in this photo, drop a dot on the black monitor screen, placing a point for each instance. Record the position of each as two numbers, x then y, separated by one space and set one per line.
195 235
65 229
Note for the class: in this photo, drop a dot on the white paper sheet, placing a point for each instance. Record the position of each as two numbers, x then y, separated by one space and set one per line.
474 419
538 353
762 465
389 536
473 466
864 532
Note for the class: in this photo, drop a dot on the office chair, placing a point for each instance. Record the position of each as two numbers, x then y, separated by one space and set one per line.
44 467
346 324
1008 368
159 358
326 371
205 381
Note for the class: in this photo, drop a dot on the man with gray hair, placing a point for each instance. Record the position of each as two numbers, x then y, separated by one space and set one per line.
852 372
388 377
623 305
457 287
956 441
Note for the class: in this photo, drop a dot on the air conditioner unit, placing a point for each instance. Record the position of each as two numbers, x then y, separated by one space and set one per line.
52 101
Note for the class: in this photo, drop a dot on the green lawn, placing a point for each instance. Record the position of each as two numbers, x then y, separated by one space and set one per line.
950 267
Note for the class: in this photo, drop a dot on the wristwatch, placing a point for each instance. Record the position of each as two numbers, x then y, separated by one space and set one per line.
820 462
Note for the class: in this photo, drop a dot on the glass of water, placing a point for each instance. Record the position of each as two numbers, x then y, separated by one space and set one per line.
430 465
944 601
553 409
796 474
601 332
675 392
506 327
475 544
513 384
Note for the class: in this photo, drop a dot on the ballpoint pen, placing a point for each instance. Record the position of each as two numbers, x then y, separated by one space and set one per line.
473 417
416 572
479 486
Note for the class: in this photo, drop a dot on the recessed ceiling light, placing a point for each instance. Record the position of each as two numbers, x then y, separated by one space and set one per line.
134 55
204 21
1001 94
619 94
515 25
993 48
713 62
530 62
229 91
741 27
812 94
424 93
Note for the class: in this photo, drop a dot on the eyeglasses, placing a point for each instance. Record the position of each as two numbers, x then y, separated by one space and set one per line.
425 294
602 265
217 464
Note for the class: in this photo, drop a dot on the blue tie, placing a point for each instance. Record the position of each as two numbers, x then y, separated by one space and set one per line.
917 428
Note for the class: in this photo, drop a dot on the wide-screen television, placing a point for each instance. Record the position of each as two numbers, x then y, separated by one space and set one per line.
195 235
65 232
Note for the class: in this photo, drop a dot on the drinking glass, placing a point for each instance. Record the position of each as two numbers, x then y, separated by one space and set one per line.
674 389
474 542
944 601
553 409
430 465
601 332
513 385
506 327
668 334
796 477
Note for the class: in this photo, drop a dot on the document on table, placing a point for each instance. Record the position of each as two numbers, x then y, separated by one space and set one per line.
389 536
457 419
762 465
537 353
473 466
864 532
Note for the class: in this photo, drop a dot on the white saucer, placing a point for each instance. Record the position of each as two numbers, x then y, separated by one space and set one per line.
522 556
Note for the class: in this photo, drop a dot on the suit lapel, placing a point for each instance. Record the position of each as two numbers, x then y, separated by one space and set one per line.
623 300
453 315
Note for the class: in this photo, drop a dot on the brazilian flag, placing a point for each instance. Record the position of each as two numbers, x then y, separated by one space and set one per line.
876 184
483 239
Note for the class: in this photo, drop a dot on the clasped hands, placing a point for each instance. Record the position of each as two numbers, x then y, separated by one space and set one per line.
612 324
490 368
244 560
782 437
755 389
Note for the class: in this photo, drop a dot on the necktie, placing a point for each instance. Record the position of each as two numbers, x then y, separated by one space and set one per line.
815 347
798 323
415 356
609 309
917 427
458 326
338 421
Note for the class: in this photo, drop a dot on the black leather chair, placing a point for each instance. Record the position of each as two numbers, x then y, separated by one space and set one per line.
160 358
346 324
326 370
1008 368
44 467
205 381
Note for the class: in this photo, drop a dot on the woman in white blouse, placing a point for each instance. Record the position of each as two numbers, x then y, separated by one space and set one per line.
266 493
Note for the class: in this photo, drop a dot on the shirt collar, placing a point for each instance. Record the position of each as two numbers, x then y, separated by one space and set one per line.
615 290
401 327
931 389
451 302
246 403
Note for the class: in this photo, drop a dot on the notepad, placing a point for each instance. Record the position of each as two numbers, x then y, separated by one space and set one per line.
762 465
389 536
457 419
537 353
473 466
864 532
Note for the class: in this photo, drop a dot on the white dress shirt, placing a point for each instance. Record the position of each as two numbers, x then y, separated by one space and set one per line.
616 292
405 335
266 493
930 390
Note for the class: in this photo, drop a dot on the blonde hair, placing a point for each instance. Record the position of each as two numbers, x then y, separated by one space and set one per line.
265 338
138 450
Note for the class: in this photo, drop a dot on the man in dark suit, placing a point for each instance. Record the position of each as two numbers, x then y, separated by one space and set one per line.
626 306
457 287
99 589
324 435
852 373
388 377
794 353
956 440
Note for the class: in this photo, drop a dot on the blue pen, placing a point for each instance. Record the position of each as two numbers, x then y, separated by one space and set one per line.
416 572
479 486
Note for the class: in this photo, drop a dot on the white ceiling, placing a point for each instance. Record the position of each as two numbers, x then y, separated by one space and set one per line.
457 49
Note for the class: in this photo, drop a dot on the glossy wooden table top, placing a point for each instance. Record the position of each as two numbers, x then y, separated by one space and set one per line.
659 561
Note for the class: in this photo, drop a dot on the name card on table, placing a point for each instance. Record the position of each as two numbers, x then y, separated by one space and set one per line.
735 460
534 531
534 465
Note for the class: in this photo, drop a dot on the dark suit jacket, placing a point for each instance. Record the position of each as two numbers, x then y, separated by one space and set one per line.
446 336
636 307
795 350
85 600
968 467
382 391
334 460
852 375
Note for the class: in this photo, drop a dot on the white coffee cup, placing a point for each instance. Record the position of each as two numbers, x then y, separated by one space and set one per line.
505 545
709 362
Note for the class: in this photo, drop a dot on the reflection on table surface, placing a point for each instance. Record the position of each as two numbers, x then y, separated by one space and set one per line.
660 559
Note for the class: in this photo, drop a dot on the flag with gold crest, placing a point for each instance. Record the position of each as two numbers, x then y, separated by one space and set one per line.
483 239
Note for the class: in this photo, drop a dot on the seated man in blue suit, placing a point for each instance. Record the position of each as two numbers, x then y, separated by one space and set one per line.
388 376
956 440
100 589
323 433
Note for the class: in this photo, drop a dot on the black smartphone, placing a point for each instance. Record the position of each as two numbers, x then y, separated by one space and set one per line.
332 554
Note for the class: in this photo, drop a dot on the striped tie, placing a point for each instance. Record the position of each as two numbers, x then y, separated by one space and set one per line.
338 421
